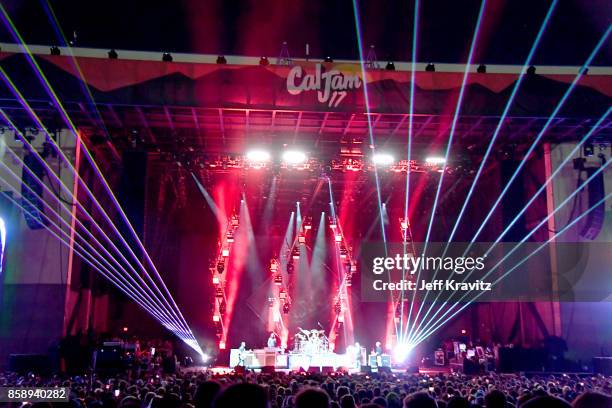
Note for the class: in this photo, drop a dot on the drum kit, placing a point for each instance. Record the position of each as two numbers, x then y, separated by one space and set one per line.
311 341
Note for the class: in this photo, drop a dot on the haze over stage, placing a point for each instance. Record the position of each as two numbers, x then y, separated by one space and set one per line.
404 212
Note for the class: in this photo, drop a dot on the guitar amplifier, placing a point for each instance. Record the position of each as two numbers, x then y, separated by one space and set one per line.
249 359
270 359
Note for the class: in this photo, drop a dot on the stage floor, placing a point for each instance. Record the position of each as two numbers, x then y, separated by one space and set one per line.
395 370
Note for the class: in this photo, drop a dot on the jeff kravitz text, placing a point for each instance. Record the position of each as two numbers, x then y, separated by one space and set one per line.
435 285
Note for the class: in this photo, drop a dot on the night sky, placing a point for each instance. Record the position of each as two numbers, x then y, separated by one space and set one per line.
258 27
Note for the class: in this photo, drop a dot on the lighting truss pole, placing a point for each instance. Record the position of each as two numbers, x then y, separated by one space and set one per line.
219 279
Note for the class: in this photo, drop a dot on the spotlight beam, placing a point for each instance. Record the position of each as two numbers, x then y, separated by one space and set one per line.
51 173
209 200
466 74
90 259
150 302
415 33
496 132
436 326
544 129
7 80
43 80
83 83
368 116
541 134
533 231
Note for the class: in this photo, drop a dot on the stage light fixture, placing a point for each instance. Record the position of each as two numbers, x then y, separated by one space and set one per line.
301 239
531 70
402 351
286 308
430 67
290 268
435 160
588 149
221 60
328 59
219 293
482 69
278 280
390 66
382 159
294 157
216 318
166 57
215 280
112 54
258 156
55 50
220 267
263 61
225 252
221 345
338 238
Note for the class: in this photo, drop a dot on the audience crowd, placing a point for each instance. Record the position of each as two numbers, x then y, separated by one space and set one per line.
206 389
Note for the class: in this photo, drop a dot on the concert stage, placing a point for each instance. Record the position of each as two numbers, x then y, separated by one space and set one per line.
217 199
292 361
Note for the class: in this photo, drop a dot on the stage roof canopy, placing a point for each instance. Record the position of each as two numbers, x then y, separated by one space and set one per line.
215 106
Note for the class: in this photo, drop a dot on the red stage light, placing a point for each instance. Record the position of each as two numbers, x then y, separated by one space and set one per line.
215 280
221 345
216 318
296 253
301 239
225 252
125 329
338 238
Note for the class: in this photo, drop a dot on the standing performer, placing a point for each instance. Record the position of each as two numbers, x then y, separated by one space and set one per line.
241 353
378 351
272 340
